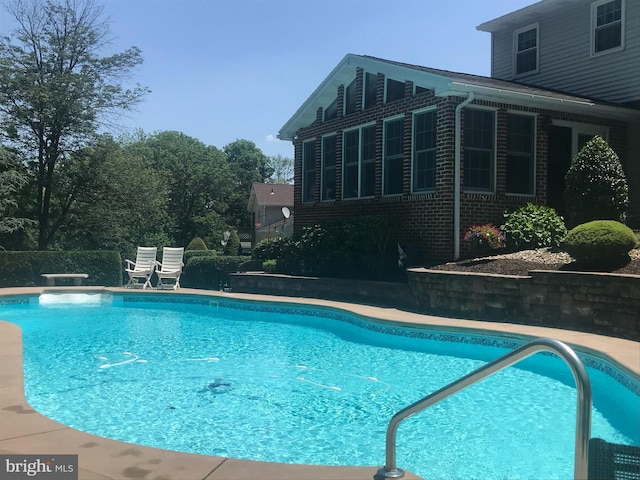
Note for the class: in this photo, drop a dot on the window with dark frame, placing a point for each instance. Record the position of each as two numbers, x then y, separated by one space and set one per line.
520 154
351 160
308 171
607 26
350 105
424 151
370 87
328 168
395 90
479 155
359 160
331 111
527 50
392 162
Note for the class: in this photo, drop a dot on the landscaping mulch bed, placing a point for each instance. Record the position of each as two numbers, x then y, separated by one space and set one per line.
520 263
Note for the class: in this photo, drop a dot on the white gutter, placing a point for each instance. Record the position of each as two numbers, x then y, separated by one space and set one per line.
457 179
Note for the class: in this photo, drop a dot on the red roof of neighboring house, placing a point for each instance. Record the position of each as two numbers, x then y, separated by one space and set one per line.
279 194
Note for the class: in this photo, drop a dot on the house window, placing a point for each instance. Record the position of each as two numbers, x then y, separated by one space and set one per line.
328 168
479 149
359 159
420 90
520 154
350 105
395 90
308 170
424 151
607 26
331 111
526 50
370 87
392 163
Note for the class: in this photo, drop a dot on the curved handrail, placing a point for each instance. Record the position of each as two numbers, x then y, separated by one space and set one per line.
583 410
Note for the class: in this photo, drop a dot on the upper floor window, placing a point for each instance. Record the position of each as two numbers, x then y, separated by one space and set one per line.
395 90
350 104
520 154
359 158
392 162
331 111
607 26
308 170
370 87
328 190
526 50
424 151
479 149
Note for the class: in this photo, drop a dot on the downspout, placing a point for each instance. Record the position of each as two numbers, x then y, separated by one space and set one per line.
456 184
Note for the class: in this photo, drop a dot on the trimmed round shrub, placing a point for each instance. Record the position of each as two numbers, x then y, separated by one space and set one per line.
197 244
600 241
533 226
596 186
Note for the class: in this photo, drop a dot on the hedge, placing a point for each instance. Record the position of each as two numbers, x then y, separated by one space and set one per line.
210 272
23 269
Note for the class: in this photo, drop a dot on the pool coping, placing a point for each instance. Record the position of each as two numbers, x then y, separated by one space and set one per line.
24 431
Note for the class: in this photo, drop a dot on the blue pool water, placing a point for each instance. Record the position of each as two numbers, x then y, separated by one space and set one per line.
290 384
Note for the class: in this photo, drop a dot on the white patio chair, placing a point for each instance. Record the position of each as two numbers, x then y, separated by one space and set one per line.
142 268
170 268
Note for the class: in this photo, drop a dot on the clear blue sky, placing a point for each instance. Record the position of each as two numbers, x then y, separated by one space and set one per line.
221 70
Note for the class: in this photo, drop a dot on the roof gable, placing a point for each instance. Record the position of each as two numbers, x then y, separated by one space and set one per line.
265 194
444 83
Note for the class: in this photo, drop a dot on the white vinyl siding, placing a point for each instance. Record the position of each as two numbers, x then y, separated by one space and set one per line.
565 60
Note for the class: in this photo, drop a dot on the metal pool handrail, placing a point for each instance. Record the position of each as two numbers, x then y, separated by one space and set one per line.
583 410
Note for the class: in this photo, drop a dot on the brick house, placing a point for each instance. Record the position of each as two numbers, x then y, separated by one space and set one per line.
443 151
265 205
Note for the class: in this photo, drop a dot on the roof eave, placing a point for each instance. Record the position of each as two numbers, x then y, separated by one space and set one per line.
570 105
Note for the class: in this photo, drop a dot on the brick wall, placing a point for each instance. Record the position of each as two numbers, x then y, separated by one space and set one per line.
427 218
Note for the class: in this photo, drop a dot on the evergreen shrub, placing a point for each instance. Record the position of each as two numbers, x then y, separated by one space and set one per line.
209 272
596 186
600 242
196 244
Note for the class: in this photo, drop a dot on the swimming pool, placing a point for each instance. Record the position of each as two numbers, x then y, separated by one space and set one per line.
235 392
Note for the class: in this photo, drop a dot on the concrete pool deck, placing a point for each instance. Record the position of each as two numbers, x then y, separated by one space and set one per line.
25 431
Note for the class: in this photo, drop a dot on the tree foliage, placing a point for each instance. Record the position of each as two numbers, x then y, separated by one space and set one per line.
56 89
11 180
282 168
596 186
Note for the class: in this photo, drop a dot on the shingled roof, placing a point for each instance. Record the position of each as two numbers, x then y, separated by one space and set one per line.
278 194
446 83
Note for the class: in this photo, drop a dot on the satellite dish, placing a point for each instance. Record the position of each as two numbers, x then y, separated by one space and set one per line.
286 212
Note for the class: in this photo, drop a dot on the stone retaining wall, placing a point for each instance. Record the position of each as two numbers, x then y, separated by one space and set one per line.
592 302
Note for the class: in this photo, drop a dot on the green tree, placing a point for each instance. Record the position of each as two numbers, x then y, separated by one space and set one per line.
596 186
56 88
282 169
248 165
111 200
11 180
198 181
